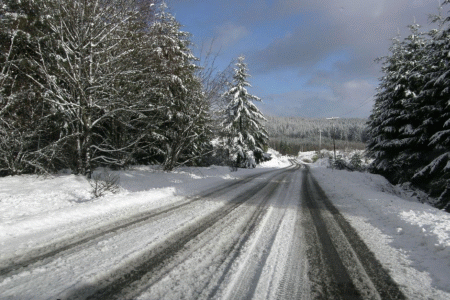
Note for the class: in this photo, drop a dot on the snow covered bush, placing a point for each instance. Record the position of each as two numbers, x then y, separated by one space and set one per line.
347 160
356 162
104 183
340 164
315 157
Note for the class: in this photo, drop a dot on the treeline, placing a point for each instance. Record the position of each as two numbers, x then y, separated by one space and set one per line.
289 135
410 123
102 83
292 146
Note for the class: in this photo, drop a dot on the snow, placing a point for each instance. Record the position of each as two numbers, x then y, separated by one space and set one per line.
277 161
31 204
410 239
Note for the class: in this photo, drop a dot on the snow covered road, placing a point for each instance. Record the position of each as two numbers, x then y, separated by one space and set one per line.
129 255
341 266
270 235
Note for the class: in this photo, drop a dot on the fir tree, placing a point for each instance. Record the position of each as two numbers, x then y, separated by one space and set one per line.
393 123
434 110
410 123
181 111
245 137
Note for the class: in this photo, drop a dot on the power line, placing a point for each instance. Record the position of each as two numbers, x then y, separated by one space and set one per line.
363 103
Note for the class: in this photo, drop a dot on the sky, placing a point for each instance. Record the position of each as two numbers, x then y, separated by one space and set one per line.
311 58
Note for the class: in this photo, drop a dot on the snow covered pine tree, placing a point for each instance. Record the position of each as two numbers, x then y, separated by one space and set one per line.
410 125
182 131
395 143
243 134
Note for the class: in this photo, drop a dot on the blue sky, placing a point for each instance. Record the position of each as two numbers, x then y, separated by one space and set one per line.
307 58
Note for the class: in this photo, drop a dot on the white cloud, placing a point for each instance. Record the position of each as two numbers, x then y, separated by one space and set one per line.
352 98
354 92
230 34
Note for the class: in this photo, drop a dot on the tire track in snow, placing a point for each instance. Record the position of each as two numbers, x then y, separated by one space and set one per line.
237 249
50 252
294 281
341 265
154 261
245 284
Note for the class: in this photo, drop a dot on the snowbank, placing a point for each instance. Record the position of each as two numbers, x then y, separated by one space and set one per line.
33 208
411 239
277 161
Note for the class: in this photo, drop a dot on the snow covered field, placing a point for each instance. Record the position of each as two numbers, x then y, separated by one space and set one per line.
410 239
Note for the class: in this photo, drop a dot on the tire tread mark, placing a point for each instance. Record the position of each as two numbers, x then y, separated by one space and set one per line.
233 251
336 282
385 285
154 259
155 277
256 277
40 255
291 282
237 247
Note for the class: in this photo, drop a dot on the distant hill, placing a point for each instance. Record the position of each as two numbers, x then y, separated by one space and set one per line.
289 135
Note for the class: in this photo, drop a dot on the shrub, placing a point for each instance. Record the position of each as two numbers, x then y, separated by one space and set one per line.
356 162
103 183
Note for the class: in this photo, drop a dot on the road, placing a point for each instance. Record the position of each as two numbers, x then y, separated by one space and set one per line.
274 235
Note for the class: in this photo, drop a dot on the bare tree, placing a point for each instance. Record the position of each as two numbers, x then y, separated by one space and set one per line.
83 65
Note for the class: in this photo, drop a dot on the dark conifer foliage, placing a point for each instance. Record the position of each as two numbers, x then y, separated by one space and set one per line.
395 144
98 83
410 123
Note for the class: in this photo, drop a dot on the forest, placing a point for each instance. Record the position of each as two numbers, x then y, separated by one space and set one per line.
114 83
289 135
409 127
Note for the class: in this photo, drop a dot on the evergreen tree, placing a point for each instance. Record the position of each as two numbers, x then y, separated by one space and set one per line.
434 109
245 137
394 142
181 110
410 123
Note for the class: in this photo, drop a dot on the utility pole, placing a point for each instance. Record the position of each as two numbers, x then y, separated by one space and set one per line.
334 136
320 142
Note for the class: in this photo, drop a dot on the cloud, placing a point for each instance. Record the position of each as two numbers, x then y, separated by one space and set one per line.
355 91
360 29
302 48
326 96
229 34
315 104
364 28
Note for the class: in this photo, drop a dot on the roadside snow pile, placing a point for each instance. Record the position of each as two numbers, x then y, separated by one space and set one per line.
411 239
31 204
277 161
308 156
28 195
348 159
